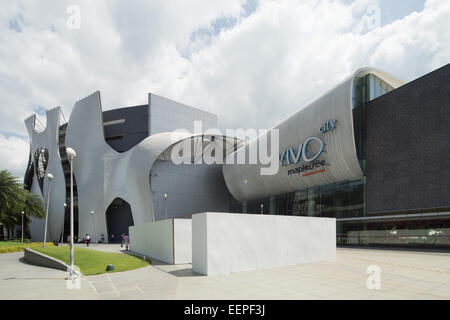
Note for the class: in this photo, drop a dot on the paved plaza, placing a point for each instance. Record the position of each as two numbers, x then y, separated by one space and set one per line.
404 275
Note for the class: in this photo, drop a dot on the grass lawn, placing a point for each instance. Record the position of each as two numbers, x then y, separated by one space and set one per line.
94 262
16 245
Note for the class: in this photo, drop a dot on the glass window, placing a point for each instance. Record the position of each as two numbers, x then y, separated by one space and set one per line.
372 87
356 199
300 203
327 201
341 200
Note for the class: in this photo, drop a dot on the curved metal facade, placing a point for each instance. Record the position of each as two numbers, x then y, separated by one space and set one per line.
245 182
48 139
101 173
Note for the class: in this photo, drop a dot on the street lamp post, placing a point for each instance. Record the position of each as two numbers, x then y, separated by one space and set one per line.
71 154
165 202
50 178
62 227
22 224
93 224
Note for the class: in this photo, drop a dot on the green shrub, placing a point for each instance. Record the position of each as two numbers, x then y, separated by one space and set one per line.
17 246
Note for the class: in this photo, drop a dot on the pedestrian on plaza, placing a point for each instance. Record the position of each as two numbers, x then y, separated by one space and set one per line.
112 238
126 240
103 238
121 242
68 240
88 239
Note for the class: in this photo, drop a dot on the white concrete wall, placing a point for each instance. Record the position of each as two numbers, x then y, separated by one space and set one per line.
153 240
156 240
183 240
223 242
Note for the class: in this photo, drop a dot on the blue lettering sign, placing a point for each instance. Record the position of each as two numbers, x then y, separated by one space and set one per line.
328 126
302 152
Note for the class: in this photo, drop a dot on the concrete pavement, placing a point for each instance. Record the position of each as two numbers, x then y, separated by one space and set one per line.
19 280
404 275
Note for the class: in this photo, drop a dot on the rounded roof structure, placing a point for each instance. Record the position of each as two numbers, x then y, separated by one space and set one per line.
245 181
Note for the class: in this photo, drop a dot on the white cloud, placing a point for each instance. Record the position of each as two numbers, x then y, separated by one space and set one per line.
287 54
14 154
253 72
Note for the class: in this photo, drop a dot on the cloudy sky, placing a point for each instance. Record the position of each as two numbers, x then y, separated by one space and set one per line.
251 62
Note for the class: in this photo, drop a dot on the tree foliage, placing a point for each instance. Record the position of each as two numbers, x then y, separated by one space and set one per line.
14 199
10 192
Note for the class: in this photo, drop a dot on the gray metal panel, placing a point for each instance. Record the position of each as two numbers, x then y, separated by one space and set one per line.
340 151
168 115
36 226
85 135
190 188
133 130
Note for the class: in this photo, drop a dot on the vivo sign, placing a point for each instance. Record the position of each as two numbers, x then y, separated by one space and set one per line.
302 151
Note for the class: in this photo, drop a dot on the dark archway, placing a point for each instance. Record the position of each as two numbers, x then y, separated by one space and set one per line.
118 219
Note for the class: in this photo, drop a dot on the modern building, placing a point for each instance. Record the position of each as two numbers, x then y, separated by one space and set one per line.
372 152
386 169
122 172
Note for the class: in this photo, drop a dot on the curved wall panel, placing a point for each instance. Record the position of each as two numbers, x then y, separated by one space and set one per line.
339 154
85 135
48 139
102 174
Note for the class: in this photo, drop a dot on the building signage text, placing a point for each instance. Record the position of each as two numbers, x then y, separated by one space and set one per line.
292 156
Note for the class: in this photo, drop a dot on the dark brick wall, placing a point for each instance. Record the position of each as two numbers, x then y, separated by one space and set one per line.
122 137
408 146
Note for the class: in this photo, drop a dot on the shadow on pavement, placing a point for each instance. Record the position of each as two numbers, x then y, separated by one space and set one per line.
186 272
174 269
22 260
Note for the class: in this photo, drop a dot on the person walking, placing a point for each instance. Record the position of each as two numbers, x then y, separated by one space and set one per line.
88 239
126 240
103 238
68 240
121 241
112 238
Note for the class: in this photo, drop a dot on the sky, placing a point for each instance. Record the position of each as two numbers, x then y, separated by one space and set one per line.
253 63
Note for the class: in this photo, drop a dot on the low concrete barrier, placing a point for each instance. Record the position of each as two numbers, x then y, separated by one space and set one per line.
167 240
182 240
223 242
40 259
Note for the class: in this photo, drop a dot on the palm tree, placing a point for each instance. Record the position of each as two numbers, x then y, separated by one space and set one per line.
11 199
32 206
14 199
9 221
10 196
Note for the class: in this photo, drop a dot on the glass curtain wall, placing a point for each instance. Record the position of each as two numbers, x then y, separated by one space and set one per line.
365 89
337 200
